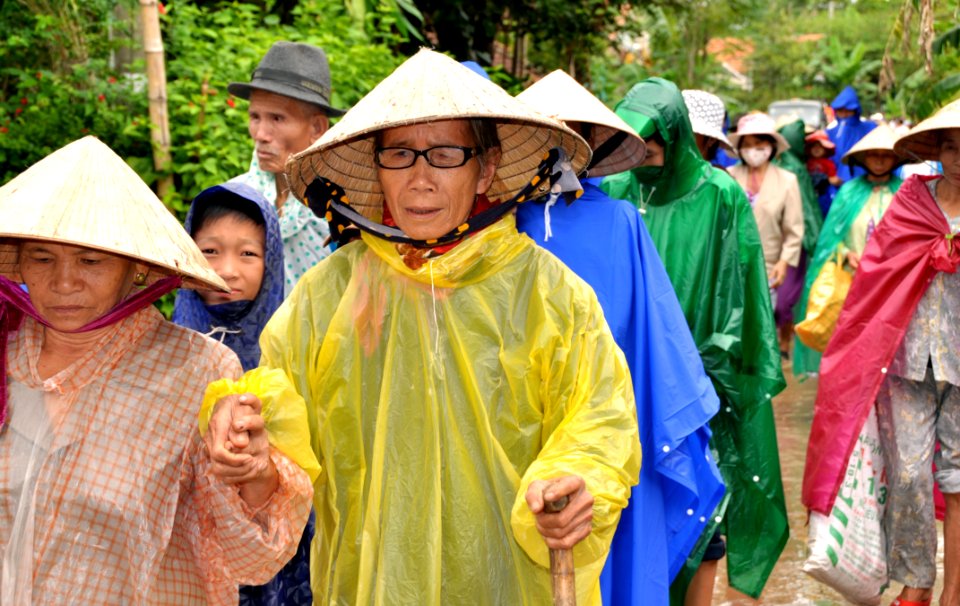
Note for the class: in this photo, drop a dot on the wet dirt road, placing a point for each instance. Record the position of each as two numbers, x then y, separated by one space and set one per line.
789 585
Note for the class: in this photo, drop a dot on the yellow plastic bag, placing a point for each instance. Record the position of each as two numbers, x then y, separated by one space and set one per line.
283 410
827 295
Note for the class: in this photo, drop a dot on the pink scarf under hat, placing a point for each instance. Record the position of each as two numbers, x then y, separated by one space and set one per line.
15 302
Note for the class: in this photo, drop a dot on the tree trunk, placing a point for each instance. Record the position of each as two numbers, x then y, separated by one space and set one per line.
926 34
157 96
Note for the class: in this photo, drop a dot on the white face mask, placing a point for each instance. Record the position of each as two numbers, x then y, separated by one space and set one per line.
756 156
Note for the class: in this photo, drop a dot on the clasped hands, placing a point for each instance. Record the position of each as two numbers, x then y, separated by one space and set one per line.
236 441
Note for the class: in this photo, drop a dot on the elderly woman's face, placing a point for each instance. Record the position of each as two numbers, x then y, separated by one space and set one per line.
72 286
425 201
950 155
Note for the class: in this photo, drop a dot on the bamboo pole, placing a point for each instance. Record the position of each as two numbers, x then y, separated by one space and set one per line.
562 570
157 95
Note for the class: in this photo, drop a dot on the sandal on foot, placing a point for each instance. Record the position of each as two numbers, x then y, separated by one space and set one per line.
902 602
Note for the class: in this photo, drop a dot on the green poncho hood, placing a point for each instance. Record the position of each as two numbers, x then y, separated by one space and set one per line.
659 102
792 160
795 134
707 237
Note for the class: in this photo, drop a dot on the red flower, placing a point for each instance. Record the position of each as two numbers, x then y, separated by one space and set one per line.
161 8
231 102
112 80
39 75
18 112
23 101
101 97
3 129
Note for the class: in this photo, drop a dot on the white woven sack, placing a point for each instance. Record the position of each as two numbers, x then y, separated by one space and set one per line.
847 548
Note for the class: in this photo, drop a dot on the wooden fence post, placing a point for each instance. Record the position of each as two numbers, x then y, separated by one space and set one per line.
157 95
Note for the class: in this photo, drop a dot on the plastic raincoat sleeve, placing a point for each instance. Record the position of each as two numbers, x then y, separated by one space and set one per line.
587 434
132 517
792 224
283 410
249 546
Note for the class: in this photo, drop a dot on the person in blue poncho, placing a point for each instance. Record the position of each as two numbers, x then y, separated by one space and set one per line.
848 128
605 242
238 231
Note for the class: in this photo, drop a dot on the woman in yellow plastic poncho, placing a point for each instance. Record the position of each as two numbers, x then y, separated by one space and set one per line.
454 373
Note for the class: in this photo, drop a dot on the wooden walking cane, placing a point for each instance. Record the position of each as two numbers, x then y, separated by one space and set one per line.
561 563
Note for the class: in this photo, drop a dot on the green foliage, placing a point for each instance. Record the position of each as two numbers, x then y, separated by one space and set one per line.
56 86
949 38
839 66
46 110
583 28
403 14
676 35
919 95
206 48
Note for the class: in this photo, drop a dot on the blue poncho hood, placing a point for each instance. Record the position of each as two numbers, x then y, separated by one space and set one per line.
237 324
846 132
847 99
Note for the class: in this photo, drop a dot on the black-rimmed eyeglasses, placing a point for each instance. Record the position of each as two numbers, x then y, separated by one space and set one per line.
441 156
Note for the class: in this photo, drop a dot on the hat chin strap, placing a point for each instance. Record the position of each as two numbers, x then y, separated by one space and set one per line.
327 195
606 148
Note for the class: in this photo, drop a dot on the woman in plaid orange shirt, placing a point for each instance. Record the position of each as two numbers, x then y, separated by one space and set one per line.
107 492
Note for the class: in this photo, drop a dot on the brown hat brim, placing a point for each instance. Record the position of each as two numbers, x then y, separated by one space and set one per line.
923 140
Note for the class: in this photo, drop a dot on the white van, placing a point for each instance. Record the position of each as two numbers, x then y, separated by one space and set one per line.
810 111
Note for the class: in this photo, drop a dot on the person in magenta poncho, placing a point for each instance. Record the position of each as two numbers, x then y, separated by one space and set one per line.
899 329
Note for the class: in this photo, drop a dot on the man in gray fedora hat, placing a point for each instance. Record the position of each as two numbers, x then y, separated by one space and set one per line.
289 96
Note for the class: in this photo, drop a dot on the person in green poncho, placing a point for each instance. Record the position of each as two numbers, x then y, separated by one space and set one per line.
704 229
854 214
789 293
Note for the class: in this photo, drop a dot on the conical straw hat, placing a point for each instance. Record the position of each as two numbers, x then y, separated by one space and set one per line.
431 87
882 138
86 195
561 97
922 141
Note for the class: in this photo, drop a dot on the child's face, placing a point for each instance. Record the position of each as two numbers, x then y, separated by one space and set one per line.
817 150
879 162
234 247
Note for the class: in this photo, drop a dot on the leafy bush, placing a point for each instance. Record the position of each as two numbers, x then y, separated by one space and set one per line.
56 84
44 106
